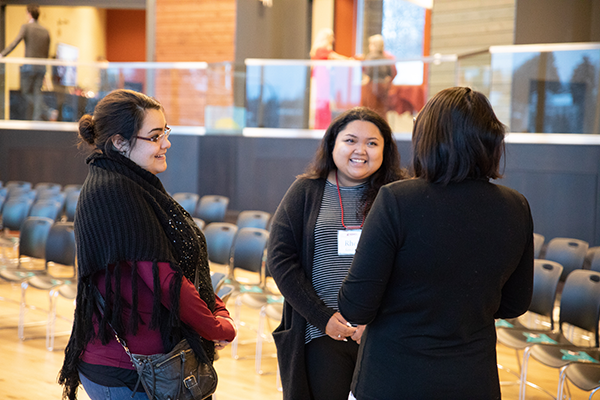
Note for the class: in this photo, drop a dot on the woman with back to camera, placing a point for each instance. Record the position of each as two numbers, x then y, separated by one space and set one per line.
310 251
441 256
141 250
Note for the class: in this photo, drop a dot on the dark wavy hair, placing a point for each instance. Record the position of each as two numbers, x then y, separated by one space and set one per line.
457 136
389 171
119 113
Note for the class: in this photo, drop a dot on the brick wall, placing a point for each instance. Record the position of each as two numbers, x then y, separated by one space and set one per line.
194 30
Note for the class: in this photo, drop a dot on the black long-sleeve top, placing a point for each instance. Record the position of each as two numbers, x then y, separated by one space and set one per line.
434 267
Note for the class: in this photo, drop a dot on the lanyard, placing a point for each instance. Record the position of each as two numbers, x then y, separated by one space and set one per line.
342 206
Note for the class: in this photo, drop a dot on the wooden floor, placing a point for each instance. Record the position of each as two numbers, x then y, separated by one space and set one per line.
29 371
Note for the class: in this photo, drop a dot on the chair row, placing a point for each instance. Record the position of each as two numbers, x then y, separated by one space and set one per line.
52 243
245 248
209 208
42 189
574 339
17 204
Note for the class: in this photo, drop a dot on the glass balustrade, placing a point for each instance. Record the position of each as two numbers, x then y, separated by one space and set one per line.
533 88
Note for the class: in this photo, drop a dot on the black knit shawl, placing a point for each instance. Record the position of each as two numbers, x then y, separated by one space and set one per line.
125 214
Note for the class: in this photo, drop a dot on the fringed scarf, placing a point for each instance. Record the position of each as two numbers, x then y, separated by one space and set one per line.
125 214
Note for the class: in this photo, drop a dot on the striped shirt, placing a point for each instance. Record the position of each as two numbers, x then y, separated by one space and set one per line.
329 268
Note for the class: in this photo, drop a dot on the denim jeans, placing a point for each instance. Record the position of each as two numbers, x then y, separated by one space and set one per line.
99 392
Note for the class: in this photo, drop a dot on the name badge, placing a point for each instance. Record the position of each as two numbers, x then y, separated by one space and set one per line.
347 241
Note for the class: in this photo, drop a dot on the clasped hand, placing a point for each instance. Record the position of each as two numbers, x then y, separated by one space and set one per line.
339 329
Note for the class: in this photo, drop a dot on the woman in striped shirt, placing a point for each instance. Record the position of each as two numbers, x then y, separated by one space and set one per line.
313 237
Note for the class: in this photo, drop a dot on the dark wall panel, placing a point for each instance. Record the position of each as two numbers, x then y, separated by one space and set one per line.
36 156
267 167
561 182
182 164
562 205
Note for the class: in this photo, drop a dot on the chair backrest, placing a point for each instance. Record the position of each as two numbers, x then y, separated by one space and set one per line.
188 201
60 245
546 275
253 219
595 261
217 279
225 292
46 208
71 204
219 241
14 212
21 193
18 184
212 208
50 195
568 252
580 301
538 243
48 187
33 236
248 249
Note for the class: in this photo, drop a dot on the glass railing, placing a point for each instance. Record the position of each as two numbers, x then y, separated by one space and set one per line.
547 88
304 94
70 89
225 98
533 89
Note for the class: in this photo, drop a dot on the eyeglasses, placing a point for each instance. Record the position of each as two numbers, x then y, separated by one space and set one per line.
154 139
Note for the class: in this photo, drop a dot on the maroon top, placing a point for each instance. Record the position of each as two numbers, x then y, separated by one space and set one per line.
193 312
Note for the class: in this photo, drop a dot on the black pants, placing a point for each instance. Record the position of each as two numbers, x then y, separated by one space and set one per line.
330 366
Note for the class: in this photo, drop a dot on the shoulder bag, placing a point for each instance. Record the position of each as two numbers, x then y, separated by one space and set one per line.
177 375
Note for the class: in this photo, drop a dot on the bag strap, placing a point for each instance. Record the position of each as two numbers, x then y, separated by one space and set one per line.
101 304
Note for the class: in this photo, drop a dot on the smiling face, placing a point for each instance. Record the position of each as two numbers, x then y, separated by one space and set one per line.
149 155
357 153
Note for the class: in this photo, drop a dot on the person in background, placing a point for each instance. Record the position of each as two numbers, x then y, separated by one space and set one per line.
311 247
141 250
322 49
37 45
440 257
378 78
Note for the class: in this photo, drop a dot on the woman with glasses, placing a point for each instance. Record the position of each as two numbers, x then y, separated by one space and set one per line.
140 250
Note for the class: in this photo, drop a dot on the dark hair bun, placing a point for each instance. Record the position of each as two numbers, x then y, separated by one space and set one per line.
86 129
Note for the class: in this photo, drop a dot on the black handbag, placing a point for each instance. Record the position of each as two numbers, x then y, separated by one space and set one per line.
177 375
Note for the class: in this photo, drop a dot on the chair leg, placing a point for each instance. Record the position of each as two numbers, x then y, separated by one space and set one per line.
236 320
523 383
22 309
259 339
51 325
561 382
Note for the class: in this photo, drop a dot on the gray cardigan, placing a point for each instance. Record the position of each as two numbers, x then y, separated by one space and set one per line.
290 262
